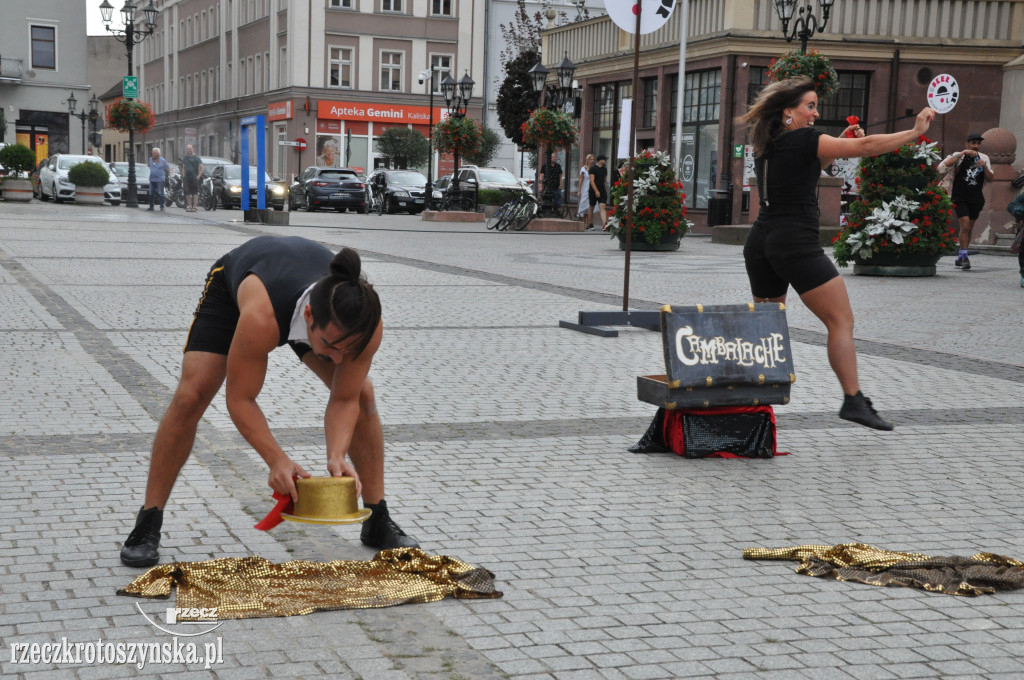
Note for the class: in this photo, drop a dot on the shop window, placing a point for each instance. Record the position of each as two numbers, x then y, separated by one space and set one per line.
44 47
850 100
701 111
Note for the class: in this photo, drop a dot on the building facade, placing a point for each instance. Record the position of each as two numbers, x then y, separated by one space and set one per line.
42 60
332 73
886 53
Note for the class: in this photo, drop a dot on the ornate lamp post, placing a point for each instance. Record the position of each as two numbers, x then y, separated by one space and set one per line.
806 24
430 137
92 115
552 97
457 96
129 36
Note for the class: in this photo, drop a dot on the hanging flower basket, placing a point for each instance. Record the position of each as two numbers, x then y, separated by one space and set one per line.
813 65
659 208
126 115
457 135
902 211
554 129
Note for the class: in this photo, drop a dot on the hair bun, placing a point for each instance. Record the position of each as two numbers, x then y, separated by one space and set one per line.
346 265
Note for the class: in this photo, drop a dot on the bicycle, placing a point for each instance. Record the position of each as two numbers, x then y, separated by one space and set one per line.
458 200
499 221
526 209
374 203
207 199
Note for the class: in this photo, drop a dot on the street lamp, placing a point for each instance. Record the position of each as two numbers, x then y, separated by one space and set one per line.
92 115
430 136
804 26
129 36
551 97
457 95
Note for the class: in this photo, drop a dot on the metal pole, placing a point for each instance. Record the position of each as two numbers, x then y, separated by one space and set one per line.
82 116
632 145
430 149
677 151
133 196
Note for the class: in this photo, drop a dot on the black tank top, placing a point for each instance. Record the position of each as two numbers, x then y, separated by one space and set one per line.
287 266
789 189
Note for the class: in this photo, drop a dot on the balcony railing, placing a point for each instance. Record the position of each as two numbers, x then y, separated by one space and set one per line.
974 23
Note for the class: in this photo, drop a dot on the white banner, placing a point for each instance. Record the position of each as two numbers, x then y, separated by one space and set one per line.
625 125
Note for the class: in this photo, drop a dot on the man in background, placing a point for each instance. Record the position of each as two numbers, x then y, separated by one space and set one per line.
191 170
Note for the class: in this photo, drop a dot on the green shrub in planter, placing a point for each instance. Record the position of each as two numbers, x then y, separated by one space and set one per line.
18 159
89 174
495 196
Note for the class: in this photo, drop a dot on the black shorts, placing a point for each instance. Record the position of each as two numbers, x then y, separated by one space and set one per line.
779 256
191 185
596 199
216 317
966 207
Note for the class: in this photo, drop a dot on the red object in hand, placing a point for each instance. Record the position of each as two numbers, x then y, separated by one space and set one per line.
852 120
273 518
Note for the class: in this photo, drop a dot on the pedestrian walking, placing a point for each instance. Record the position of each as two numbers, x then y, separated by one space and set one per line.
584 211
158 170
599 188
782 247
191 171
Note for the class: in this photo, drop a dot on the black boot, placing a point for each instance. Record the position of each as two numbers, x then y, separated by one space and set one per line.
858 409
381 532
141 547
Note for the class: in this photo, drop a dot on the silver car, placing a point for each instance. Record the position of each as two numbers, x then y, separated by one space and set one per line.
54 183
120 169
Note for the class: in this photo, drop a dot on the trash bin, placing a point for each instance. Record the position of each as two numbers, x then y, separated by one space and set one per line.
719 207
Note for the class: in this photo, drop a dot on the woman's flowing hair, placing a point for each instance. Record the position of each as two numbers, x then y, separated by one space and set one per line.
764 117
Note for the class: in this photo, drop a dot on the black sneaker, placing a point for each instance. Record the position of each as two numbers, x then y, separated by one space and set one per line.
141 547
966 263
959 262
381 532
858 409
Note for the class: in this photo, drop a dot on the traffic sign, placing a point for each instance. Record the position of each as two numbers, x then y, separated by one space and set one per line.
130 87
286 143
301 143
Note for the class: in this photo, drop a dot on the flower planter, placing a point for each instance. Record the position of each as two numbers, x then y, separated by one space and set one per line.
889 264
88 195
17 190
668 242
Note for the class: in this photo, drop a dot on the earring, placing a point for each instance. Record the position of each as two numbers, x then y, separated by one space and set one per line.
789 121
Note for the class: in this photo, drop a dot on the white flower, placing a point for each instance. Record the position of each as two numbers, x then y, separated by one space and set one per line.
928 152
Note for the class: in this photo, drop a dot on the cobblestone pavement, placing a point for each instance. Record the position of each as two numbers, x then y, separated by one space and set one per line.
506 444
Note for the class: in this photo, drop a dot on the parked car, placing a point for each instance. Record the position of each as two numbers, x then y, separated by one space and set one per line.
34 177
488 178
53 179
402 189
440 186
319 187
120 169
227 188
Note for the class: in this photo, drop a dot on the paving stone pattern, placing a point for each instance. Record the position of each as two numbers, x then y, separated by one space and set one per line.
506 447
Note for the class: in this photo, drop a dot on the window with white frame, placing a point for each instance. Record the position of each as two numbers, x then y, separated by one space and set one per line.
340 67
266 71
441 65
282 67
257 77
441 8
340 4
251 82
391 71
391 5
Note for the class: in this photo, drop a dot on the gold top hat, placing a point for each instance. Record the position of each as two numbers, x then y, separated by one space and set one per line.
327 500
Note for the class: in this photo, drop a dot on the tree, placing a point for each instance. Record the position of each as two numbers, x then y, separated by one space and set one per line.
516 98
489 143
404 147
521 35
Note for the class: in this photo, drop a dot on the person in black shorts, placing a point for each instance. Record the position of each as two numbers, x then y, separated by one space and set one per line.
191 171
782 248
599 188
266 293
970 169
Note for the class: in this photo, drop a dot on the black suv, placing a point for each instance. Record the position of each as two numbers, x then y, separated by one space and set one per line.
320 187
403 190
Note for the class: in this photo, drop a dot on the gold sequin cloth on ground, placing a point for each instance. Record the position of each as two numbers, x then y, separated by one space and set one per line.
252 587
980 574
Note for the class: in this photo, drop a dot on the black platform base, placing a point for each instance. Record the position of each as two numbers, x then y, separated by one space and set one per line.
592 323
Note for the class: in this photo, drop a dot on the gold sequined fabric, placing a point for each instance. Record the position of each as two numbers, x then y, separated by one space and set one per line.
980 574
253 587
